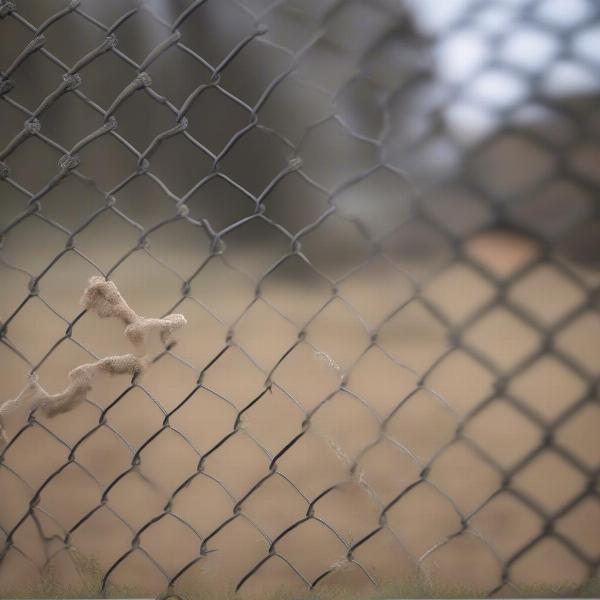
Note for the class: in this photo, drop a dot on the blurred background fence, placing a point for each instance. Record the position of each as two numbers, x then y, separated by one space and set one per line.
382 223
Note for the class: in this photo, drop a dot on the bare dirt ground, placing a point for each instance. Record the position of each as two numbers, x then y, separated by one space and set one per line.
372 437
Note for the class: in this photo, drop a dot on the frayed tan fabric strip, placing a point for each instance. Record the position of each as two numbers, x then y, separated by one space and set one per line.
103 298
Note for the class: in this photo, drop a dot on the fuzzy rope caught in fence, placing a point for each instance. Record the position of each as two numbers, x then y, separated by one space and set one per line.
103 298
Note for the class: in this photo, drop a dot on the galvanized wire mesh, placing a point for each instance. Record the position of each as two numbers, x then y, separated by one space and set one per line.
422 225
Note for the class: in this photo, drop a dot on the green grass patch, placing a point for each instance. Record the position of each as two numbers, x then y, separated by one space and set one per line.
48 585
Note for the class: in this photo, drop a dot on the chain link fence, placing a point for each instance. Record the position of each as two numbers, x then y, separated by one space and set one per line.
381 222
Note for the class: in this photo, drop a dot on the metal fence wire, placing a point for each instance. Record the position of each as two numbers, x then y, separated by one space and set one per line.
381 222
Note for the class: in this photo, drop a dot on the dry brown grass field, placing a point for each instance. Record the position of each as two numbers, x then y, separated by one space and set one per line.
344 444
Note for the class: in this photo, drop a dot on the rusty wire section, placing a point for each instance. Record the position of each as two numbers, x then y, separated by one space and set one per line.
466 168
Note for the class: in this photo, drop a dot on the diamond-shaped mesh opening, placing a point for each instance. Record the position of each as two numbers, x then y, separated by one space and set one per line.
342 436
144 201
107 174
327 552
296 465
412 512
84 121
579 340
237 476
168 447
17 243
544 560
459 291
273 420
507 524
405 425
168 396
418 248
34 470
508 445
388 468
380 199
309 105
396 381
549 387
83 38
578 251
308 386
331 155
261 148
20 327
380 223
140 119
375 303
275 288
295 204
227 119
203 433
449 562
61 486
414 336
144 573
237 391
215 279
140 34
104 90
186 507
121 415
359 107
574 436
254 323
168 243
550 481
106 441
350 510
180 164
272 247
272 516
249 84
464 476
171 552
196 29
336 263
457 210
219 201
462 393
32 172
580 526
533 293
59 209
177 75
324 64
43 74
338 334
513 176
504 338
